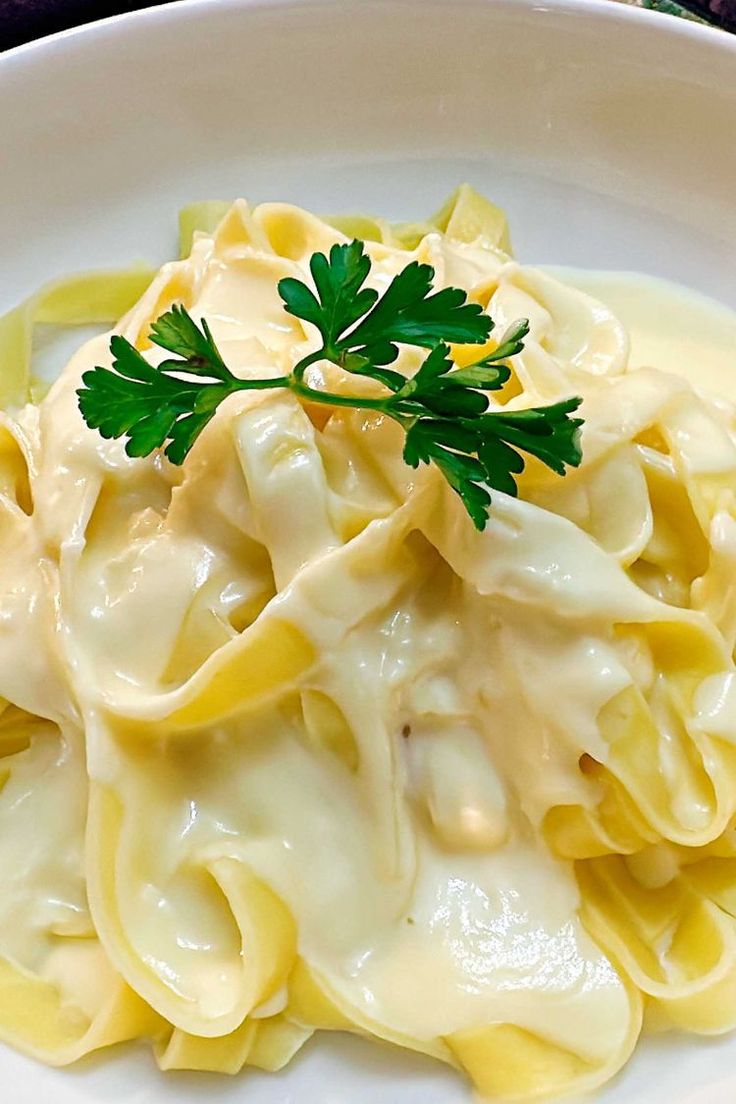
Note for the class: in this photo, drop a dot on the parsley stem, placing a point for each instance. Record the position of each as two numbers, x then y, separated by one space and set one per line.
329 398
297 373
260 384
443 411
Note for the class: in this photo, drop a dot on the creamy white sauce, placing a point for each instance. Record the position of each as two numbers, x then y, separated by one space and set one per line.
670 327
464 674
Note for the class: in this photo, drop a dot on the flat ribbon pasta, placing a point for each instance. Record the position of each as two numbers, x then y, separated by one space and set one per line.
319 755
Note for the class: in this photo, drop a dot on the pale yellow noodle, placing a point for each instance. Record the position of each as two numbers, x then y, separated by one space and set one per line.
341 761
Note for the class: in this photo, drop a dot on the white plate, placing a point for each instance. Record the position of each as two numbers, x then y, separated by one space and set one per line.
606 132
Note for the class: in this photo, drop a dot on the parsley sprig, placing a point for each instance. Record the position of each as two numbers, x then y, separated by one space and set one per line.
444 410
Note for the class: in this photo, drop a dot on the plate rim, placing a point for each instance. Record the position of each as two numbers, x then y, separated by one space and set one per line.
607 11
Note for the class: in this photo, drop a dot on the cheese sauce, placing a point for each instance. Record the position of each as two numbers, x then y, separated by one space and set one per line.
427 693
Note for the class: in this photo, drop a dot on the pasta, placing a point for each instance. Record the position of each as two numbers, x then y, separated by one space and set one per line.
286 745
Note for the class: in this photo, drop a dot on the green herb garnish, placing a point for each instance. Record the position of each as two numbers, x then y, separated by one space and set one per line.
443 409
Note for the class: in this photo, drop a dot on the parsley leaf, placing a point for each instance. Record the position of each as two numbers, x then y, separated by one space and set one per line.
407 312
178 333
152 405
134 399
443 410
430 441
341 298
547 432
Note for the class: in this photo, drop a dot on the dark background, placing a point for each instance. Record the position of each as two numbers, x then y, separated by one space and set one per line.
22 20
720 12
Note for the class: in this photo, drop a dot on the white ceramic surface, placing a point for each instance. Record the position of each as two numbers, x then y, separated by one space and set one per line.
607 133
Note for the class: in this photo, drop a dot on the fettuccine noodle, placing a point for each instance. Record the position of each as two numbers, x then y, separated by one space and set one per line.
287 745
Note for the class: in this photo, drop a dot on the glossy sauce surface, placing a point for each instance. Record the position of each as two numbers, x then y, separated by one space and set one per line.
393 796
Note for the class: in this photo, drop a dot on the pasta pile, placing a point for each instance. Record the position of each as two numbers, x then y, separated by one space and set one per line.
287 745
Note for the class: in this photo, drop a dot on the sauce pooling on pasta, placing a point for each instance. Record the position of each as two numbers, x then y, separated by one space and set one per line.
350 763
669 326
